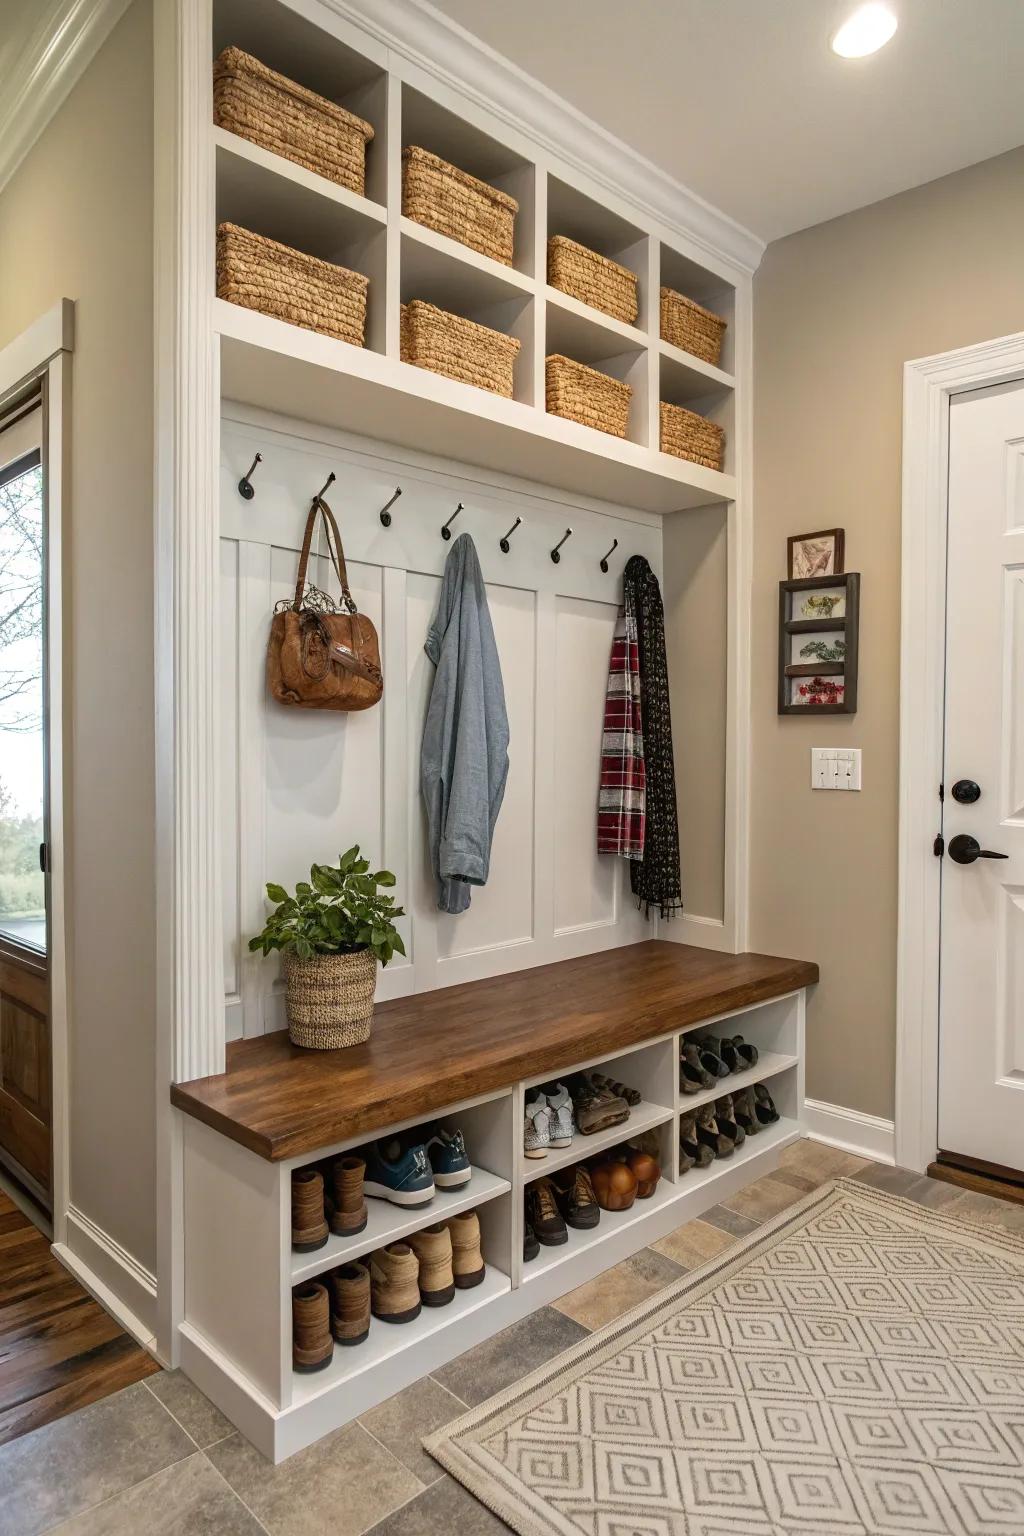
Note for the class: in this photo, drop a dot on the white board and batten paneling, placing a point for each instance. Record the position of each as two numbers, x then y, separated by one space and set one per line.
298 786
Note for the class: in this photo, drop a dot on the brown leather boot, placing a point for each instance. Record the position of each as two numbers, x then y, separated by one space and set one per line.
394 1283
350 1303
467 1260
347 1206
309 1225
433 1248
312 1345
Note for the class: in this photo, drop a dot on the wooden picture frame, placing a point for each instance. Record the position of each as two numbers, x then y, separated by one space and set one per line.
846 624
838 538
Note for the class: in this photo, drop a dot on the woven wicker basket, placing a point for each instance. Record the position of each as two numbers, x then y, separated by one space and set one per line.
270 110
688 325
584 395
262 274
591 278
456 204
461 349
329 999
690 436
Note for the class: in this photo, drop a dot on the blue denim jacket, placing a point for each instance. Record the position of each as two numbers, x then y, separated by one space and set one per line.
464 757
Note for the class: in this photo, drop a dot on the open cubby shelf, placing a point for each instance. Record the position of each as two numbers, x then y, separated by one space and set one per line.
769 1064
388 1339
403 260
642 1117
387 1223
242 1267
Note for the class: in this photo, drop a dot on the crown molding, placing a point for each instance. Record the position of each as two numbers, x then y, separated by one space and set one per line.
430 40
64 41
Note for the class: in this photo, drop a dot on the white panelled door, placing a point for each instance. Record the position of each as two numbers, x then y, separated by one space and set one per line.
981 1031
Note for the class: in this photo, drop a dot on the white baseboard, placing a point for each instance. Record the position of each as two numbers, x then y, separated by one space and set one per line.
851 1130
111 1275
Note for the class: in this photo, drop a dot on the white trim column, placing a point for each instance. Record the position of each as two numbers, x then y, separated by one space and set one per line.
190 992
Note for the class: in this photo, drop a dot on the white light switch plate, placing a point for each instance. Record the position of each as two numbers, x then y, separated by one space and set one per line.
835 767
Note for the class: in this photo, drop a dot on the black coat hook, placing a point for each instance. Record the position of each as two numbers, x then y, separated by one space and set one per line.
446 532
385 513
503 543
554 553
245 488
604 560
326 485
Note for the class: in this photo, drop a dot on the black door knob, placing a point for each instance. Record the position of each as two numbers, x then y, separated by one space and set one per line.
964 849
966 791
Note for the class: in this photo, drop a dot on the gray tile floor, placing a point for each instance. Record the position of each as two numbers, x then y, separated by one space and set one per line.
158 1457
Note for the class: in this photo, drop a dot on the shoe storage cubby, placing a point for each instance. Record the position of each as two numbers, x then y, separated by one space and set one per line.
272 364
485 1130
241 1270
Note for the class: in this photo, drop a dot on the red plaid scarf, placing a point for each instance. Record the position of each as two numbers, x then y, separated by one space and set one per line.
622 796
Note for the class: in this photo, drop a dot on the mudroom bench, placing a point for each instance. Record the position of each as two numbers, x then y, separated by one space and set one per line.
465 1055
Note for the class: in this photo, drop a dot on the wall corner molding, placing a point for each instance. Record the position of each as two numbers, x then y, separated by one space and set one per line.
63 42
451 54
851 1130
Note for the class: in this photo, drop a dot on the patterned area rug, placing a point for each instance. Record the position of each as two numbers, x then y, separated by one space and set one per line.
853 1368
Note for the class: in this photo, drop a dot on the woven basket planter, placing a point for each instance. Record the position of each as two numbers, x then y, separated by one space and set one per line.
584 395
329 999
262 274
688 325
456 204
461 349
593 279
272 111
689 436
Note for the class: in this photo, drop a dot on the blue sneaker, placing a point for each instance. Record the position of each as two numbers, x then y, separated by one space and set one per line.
400 1175
447 1153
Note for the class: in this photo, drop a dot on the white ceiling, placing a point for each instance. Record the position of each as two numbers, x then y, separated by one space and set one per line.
744 103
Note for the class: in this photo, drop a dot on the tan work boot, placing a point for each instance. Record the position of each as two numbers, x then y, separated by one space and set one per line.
347 1205
467 1259
350 1303
309 1225
433 1248
394 1283
312 1345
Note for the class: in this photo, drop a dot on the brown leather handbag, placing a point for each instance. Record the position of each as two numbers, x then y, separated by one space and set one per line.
318 656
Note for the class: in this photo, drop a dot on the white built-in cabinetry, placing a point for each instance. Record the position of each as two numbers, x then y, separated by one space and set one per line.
230 381
240 1268
268 363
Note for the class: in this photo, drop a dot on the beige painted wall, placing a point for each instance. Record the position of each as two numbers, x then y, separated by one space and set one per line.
838 309
76 222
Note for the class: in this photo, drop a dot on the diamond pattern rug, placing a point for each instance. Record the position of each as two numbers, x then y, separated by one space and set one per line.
853 1368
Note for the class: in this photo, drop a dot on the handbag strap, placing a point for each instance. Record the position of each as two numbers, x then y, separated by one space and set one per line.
334 549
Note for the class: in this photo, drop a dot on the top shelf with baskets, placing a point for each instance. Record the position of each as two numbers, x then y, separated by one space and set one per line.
509 241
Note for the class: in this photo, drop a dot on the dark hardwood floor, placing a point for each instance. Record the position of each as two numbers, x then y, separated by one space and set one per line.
58 1348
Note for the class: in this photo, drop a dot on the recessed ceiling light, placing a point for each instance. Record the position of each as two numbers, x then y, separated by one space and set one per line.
868 29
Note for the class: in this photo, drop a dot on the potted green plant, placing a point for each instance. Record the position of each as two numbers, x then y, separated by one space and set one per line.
331 934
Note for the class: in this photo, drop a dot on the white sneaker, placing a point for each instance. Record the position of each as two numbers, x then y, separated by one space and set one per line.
537 1127
563 1122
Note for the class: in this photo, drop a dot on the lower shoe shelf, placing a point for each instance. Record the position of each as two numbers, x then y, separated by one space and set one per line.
387 1339
611 1222
387 1223
666 1194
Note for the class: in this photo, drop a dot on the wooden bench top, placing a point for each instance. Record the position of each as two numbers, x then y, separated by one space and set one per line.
438 1048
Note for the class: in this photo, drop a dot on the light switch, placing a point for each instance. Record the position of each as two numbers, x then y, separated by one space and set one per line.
835 767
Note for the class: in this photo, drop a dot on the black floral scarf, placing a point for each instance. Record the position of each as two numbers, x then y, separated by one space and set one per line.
655 878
